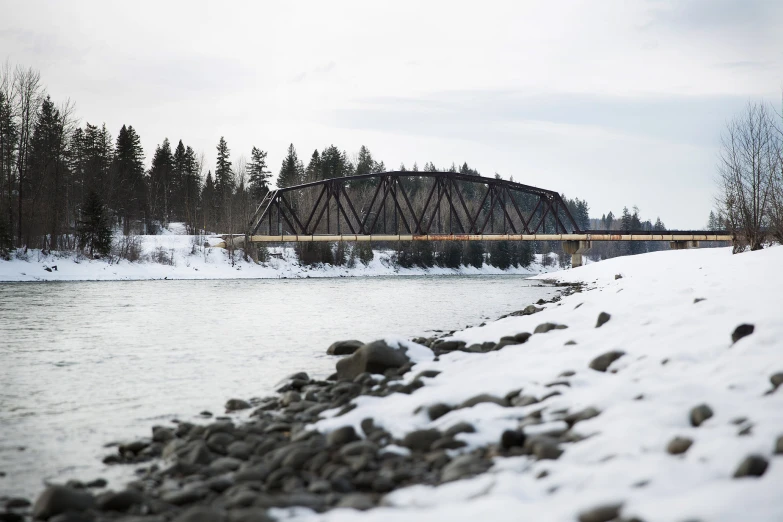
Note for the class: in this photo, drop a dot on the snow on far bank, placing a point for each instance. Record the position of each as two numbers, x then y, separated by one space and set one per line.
198 257
672 314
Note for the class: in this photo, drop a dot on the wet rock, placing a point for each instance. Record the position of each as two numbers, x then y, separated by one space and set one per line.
603 513
548 327
460 427
121 501
421 440
602 362
237 404
741 331
220 484
60 499
200 514
484 397
134 447
679 445
603 318
375 357
512 438
752 466
438 410
464 466
358 501
699 414
71 516
342 436
344 347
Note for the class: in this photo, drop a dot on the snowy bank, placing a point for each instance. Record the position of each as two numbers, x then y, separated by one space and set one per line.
198 257
672 315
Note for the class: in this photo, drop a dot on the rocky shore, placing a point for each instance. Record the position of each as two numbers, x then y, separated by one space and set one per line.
549 410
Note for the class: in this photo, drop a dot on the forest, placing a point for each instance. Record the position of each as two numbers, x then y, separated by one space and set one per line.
72 186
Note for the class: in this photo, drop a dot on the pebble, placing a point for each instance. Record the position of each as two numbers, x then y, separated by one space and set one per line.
752 466
342 436
679 445
603 513
460 427
699 414
603 318
421 440
602 362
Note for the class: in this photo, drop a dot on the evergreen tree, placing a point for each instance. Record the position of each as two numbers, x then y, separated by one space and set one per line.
334 163
9 137
313 170
192 186
259 175
474 254
209 201
500 254
161 173
177 186
129 171
94 231
292 171
224 178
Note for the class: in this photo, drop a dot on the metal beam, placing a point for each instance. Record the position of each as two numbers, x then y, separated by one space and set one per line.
671 236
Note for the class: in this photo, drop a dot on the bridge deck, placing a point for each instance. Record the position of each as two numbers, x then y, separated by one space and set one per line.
588 236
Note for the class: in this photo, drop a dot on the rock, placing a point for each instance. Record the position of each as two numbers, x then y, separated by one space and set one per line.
239 450
679 445
752 466
200 514
776 379
161 434
72 516
60 499
237 404
543 447
17 503
741 331
512 438
427 373
438 410
699 414
358 501
460 427
587 413
531 309
779 446
342 436
603 318
618 276
484 397
187 495
464 466
603 513
524 400
698 299
121 501
344 347
446 443
602 362
421 440
196 453
570 343
97 483
548 327
375 357
448 346
252 514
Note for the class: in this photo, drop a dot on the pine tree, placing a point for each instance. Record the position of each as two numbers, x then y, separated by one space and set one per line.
474 254
192 187
500 254
9 137
313 170
129 171
292 171
94 231
259 175
177 187
224 177
334 163
208 202
160 182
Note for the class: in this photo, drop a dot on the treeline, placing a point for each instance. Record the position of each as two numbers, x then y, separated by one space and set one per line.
629 221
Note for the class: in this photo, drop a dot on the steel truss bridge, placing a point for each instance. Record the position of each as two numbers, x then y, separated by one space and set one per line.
433 206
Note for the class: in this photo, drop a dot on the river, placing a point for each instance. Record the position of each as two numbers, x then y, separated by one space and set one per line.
83 364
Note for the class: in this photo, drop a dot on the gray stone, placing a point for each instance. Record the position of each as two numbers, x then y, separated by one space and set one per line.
184 496
375 357
603 513
97 483
543 447
699 414
602 362
752 466
603 318
70 516
460 427
445 443
237 404
776 379
448 346
358 501
225 464
60 499
239 450
320 487
162 434
200 514
249 515
741 331
421 440
548 327
17 503
524 400
121 501
464 466
679 445
342 436
512 438
438 410
484 397
344 347
587 413
618 276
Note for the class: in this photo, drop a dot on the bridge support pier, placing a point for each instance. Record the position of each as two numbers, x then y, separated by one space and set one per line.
683 245
576 249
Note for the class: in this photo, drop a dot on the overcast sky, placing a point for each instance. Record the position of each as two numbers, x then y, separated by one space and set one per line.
618 102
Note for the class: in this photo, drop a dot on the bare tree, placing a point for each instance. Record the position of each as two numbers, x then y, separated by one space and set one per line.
749 163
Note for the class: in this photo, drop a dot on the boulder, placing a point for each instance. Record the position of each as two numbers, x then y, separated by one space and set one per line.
344 347
679 445
699 414
438 410
421 440
603 318
375 357
464 466
548 327
60 499
121 501
342 436
237 404
741 331
752 466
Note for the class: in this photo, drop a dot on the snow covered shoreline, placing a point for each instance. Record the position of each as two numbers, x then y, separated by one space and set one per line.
183 260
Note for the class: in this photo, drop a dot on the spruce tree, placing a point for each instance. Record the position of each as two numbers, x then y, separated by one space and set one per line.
313 170
130 179
291 171
160 182
474 254
9 137
94 230
208 202
259 175
177 186
224 178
